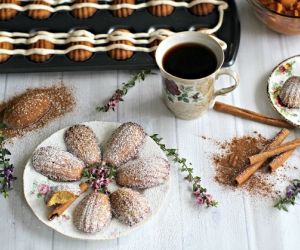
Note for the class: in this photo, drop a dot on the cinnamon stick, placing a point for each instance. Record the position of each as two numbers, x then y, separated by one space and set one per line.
251 115
251 169
279 160
275 151
60 209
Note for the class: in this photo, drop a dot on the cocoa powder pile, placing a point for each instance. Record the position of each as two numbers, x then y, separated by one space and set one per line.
62 102
234 159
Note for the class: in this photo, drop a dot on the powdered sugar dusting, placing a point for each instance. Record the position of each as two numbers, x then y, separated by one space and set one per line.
124 144
143 172
129 206
57 164
81 141
29 117
93 213
26 110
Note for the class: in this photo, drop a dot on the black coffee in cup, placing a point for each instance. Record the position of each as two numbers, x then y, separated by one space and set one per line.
190 61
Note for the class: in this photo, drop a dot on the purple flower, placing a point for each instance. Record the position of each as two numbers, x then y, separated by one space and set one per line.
43 189
7 178
99 180
209 198
289 191
196 96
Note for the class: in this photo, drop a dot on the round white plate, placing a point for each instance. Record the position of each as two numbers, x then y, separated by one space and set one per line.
35 185
287 68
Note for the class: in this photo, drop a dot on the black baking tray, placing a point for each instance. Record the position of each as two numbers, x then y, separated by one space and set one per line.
102 22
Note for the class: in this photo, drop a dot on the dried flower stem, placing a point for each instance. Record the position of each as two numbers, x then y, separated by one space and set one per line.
6 169
200 193
119 93
292 191
99 177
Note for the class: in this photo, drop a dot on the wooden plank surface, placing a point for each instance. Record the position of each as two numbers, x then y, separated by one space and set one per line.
240 221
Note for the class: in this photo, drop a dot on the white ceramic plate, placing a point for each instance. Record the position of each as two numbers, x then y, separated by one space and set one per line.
35 185
287 68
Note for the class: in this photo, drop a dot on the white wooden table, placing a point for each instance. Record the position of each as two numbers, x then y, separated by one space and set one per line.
240 222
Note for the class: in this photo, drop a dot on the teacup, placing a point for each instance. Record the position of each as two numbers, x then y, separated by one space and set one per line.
190 98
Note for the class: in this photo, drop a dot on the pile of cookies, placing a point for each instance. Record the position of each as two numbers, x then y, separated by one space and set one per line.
80 45
82 9
134 173
285 7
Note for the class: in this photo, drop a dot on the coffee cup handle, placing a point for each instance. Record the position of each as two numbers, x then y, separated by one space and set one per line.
232 74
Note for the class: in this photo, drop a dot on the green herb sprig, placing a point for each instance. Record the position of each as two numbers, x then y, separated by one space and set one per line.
200 193
292 191
120 93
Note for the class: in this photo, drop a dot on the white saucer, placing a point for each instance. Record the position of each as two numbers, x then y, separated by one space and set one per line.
287 68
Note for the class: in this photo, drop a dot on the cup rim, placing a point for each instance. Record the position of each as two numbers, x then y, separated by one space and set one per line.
182 34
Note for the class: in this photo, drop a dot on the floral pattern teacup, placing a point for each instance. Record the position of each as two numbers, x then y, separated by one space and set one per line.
186 98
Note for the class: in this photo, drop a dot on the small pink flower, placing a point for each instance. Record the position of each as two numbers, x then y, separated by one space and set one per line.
282 69
197 192
200 200
43 189
209 198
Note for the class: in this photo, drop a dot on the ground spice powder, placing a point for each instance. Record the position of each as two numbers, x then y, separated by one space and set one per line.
234 159
62 102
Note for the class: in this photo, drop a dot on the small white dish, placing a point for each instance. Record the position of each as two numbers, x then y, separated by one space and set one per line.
283 71
35 185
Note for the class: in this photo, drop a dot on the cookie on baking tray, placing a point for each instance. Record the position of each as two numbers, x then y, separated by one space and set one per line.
39 14
84 12
123 12
8 13
41 44
202 9
8 46
121 54
161 10
80 55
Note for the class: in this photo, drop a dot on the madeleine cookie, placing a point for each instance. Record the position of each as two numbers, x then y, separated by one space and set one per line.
161 10
26 110
124 144
41 44
143 172
121 54
80 55
6 14
57 165
290 92
202 9
123 12
84 12
81 141
93 213
8 46
39 13
129 206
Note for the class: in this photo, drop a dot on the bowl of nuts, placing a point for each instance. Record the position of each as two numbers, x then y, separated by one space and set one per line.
282 16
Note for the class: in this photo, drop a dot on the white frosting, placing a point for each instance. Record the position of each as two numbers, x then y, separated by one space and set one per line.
101 42
101 6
